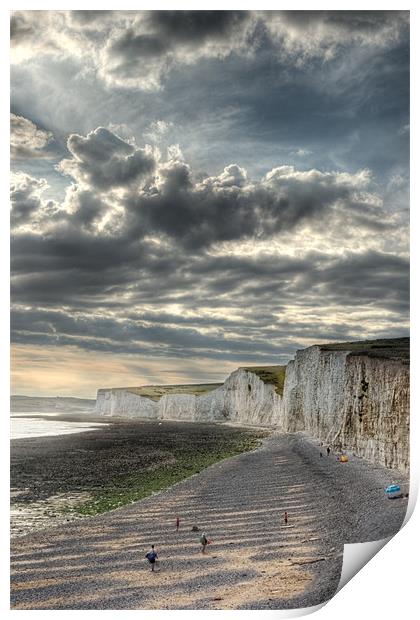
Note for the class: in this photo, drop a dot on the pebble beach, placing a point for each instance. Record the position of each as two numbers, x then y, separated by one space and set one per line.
255 561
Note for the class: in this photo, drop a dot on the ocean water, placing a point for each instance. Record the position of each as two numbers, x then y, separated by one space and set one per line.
34 424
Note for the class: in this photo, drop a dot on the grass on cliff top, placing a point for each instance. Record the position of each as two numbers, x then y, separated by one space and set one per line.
273 375
166 457
388 348
155 392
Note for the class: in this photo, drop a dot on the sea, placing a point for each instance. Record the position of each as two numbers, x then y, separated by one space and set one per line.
41 424
38 416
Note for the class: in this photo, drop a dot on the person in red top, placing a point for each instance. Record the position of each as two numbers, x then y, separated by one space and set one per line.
286 517
177 524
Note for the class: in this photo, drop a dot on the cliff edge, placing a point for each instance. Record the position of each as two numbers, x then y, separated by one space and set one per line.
353 396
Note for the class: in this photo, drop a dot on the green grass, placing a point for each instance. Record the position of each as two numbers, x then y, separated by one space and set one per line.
389 348
155 392
273 375
184 461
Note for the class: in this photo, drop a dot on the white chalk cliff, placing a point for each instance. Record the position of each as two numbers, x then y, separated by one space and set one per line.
243 398
355 402
352 400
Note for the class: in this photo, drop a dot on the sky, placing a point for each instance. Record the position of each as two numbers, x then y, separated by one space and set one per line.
196 191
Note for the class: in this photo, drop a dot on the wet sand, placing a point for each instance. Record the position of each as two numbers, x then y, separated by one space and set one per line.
254 561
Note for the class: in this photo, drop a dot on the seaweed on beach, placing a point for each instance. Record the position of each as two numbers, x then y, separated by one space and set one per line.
123 462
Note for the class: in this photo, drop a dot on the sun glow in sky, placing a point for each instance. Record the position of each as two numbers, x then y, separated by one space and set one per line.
194 191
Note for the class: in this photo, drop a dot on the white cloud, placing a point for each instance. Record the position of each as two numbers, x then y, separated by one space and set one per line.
302 152
26 139
157 130
103 161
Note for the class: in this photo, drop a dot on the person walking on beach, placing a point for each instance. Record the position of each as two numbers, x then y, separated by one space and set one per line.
177 524
286 517
152 557
204 542
328 451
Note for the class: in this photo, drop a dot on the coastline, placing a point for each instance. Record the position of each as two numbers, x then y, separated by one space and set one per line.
254 562
56 479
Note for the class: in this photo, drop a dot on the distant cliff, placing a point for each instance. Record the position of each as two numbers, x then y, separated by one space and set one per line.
352 396
54 404
243 398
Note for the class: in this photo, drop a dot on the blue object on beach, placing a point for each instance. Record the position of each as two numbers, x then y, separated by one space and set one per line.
394 490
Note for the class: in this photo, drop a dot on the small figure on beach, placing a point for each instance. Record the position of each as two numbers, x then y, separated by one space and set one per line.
320 455
152 557
286 517
328 451
204 542
177 522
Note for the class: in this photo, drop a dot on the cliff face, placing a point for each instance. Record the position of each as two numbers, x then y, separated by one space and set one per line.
122 402
376 411
243 398
348 398
248 400
353 402
313 392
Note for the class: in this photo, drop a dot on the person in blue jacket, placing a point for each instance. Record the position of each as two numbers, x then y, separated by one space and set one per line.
152 557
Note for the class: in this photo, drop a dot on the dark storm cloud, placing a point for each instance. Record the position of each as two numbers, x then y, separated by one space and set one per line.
138 49
95 244
89 209
258 324
128 336
26 200
137 349
356 22
354 281
131 47
88 18
226 208
195 26
254 108
20 28
142 253
172 28
81 267
163 198
361 279
157 32
73 250
142 53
